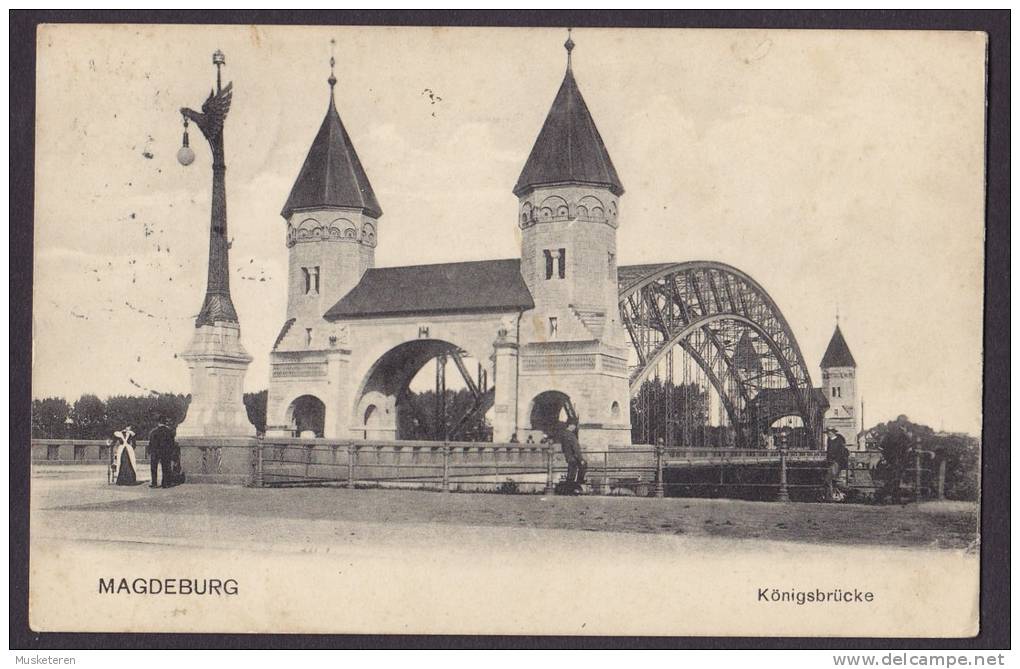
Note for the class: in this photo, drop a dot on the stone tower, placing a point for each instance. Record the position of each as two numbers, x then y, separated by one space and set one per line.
332 229
573 341
839 382
332 220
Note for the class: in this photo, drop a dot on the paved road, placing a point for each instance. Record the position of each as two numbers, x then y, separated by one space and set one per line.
371 560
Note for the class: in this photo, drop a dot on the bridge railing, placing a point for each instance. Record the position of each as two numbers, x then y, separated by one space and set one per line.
429 464
80 451
504 467
507 467
739 455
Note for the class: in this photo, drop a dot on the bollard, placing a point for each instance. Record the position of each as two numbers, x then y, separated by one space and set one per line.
605 473
259 471
659 489
549 487
784 494
352 457
917 475
446 469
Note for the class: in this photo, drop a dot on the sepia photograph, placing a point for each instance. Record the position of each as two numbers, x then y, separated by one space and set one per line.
573 331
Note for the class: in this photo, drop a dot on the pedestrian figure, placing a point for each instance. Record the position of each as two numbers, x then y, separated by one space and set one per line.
837 458
124 463
161 445
577 466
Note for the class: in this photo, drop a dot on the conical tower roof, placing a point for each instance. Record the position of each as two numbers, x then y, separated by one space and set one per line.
569 148
838 353
332 175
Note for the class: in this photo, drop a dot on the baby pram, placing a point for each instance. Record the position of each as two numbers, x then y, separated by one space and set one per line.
174 476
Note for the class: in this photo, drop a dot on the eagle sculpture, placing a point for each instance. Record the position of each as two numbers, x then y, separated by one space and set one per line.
214 111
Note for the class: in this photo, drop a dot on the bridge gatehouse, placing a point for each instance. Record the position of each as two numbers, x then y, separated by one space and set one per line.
691 354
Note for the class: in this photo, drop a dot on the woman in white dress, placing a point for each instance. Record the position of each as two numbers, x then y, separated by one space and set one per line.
124 457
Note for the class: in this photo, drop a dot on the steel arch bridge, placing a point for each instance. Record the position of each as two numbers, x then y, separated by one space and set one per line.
730 332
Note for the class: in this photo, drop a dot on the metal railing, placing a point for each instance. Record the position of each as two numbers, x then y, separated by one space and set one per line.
739 455
506 467
81 451
436 465
472 465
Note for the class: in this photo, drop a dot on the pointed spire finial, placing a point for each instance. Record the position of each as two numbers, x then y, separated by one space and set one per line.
332 64
837 314
569 46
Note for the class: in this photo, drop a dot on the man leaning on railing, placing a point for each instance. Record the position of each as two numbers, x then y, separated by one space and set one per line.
577 466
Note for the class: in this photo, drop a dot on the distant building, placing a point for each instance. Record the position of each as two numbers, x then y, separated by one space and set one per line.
839 384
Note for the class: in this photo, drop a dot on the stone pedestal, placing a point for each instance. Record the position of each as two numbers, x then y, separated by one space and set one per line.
218 363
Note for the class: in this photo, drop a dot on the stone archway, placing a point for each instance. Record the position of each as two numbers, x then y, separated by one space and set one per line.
385 408
550 409
306 416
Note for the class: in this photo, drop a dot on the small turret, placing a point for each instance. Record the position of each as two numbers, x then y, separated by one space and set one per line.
332 230
839 383
572 344
568 196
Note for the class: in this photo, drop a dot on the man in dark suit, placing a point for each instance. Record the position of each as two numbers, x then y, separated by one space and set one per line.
161 445
577 466
837 458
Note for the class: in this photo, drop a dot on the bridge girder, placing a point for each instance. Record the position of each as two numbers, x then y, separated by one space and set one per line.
700 305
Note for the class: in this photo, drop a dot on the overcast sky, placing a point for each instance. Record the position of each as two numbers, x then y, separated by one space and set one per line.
835 168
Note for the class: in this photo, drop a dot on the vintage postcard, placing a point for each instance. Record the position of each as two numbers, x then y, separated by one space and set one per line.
507 331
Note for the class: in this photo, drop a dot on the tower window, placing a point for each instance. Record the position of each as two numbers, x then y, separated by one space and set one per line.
553 327
311 275
555 263
610 260
836 391
308 337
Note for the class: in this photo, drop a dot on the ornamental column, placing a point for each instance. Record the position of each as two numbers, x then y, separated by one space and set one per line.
216 358
504 422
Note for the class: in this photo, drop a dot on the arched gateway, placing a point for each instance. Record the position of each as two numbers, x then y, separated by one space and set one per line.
392 409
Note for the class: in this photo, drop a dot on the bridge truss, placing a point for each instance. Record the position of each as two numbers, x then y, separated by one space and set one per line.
715 362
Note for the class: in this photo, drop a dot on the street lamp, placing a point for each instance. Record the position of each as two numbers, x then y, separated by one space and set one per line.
217 305
68 422
185 156
215 356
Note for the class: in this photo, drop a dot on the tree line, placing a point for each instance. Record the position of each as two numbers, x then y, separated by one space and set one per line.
91 417
900 439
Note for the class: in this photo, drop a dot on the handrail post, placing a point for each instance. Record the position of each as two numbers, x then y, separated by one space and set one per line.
446 467
259 472
352 456
784 493
549 487
605 472
941 488
659 488
917 475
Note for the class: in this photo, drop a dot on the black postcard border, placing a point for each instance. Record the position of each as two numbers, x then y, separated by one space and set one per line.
995 515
